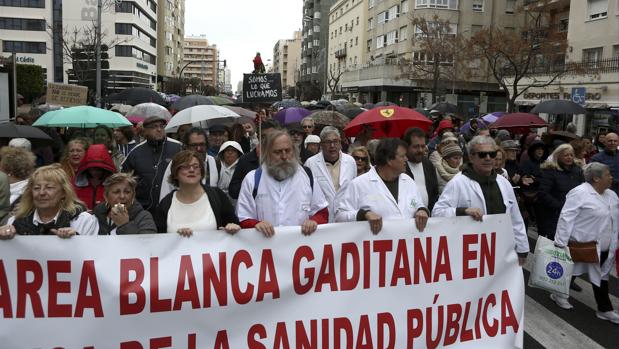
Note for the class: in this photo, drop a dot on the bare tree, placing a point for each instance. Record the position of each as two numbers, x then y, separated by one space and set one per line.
533 55
333 79
440 57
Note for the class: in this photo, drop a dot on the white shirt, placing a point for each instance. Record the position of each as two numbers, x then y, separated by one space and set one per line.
225 175
84 224
209 164
198 216
420 180
286 203
17 189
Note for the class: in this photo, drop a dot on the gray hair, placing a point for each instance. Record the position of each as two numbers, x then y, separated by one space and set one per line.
479 140
267 145
372 144
593 170
307 118
328 130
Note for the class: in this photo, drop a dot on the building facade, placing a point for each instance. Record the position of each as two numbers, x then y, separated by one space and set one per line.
592 71
200 60
391 40
39 30
314 46
170 34
287 59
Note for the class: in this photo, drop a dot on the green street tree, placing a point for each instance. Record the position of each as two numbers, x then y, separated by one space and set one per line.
30 81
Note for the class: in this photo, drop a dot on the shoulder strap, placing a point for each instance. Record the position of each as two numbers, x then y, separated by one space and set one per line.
311 177
257 176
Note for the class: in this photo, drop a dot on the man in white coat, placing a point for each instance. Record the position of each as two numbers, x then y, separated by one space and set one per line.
331 168
194 139
478 191
281 192
384 192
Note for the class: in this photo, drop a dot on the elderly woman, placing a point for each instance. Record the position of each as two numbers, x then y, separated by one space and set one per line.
591 213
18 164
362 159
229 154
49 206
96 166
193 207
499 163
73 154
104 135
120 214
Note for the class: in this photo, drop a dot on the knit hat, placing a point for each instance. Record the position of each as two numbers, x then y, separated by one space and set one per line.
448 136
510 144
451 149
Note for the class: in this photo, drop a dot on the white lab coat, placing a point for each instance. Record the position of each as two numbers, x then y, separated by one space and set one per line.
209 163
369 192
461 191
584 217
287 203
322 176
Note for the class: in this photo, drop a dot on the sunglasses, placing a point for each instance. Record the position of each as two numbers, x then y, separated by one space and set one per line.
360 158
484 154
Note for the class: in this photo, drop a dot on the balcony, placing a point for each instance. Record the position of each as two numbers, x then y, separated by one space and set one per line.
341 53
593 67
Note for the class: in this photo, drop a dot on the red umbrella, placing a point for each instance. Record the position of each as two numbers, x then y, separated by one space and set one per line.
519 122
387 121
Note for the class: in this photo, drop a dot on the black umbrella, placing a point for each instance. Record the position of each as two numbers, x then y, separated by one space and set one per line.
10 130
136 95
444 107
383 104
558 106
349 110
191 101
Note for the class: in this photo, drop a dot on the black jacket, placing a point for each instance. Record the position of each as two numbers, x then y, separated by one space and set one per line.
148 163
531 167
553 188
222 208
140 221
429 172
247 163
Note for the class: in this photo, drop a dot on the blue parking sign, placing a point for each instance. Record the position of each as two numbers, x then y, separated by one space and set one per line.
578 95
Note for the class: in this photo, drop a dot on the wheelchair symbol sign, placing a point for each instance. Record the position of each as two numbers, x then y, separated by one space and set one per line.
579 95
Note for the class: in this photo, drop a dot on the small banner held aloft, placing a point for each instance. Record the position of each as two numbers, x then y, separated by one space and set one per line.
66 95
262 88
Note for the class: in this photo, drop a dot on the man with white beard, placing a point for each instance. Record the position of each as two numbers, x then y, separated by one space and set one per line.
281 192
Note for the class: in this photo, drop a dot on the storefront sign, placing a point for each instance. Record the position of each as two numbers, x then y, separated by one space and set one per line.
560 95
66 95
141 65
25 59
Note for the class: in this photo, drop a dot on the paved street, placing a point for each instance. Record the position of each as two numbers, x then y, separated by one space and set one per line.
548 326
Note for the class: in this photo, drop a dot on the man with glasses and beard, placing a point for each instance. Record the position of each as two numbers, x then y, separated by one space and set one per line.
280 192
479 191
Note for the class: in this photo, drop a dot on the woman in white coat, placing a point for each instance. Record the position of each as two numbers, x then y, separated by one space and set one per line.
464 195
591 213
384 192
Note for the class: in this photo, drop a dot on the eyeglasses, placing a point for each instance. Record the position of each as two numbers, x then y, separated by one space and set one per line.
333 142
360 158
196 145
194 167
307 126
484 154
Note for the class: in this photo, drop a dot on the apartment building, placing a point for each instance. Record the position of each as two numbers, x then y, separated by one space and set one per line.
287 59
200 60
170 34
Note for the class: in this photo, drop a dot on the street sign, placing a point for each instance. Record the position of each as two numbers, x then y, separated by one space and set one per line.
262 88
66 95
579 95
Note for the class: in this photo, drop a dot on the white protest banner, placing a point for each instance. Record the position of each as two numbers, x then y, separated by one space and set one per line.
65 94
456 284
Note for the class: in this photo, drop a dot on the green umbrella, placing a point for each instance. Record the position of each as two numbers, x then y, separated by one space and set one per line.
82 117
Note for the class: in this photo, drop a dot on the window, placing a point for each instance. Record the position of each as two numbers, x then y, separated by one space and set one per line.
392 37
356 41
10 23
616 51
592 54
564 24
404 6
382 17
370 23
444 4
403 33
23 3
510 6
24 46
123 28
380 41
369 45
357 20
597 8
476 29
478 5
392 14
371 3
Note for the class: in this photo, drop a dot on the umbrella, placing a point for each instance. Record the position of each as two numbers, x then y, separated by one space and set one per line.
48 107
10 130
368 106
383 104
137 95
349 110
492 117
82 117
143 110
549 137
323 104
444 107
558 106
287 103
200 113
245 113
290 115
193 100
467 126
391 121
330 118
519 122
220 100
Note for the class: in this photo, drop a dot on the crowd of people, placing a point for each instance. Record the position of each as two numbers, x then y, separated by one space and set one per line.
140 180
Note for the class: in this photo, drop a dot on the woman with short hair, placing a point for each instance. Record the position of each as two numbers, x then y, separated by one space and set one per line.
18 164
49 206
362 159
120 214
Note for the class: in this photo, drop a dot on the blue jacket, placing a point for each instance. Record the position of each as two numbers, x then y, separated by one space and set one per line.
612 161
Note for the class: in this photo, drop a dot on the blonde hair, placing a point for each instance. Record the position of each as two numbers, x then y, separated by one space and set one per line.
53 173
553 161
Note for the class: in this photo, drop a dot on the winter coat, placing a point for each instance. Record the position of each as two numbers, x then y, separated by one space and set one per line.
140 221
554 185
531 166
612 161
96 156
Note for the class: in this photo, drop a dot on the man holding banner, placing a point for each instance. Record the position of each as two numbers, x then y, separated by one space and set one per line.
478 191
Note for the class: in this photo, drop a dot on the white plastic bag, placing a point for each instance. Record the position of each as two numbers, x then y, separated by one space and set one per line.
552 267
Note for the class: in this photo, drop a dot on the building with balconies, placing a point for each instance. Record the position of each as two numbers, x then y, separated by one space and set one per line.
287 59
314 45
200 60
170 34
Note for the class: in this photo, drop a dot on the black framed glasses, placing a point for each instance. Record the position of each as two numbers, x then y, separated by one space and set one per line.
484 154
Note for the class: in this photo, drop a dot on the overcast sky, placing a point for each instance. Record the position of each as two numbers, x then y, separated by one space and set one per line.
240 28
